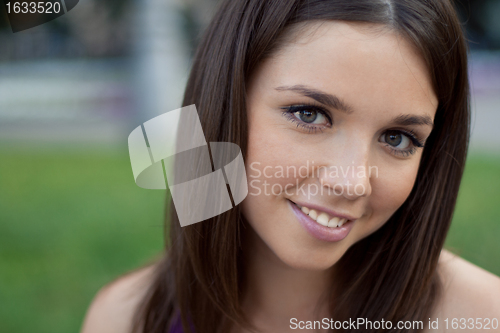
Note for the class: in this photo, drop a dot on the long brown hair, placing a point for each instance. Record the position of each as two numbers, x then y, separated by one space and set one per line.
391 274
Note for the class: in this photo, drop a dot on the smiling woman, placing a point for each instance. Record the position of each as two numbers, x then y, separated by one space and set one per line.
341 109
317 87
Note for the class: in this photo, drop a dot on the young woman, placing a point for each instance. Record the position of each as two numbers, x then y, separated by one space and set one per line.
353 117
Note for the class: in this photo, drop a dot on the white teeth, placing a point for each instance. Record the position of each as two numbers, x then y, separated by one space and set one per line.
333 222
323 219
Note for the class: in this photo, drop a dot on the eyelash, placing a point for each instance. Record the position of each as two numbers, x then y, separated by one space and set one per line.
415 141
289 114
290 110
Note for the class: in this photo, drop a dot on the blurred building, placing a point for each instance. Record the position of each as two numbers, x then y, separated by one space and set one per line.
107 66
97 72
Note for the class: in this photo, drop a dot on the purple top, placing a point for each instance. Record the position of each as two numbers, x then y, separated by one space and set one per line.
177 326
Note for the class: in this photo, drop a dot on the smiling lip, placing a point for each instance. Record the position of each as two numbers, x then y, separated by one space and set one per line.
326 210
319 231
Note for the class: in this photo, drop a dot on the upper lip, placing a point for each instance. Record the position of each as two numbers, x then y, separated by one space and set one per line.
326 210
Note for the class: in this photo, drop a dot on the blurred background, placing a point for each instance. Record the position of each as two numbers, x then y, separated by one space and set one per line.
71 90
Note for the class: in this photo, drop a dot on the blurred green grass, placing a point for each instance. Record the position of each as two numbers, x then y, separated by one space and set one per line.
475 230
71 221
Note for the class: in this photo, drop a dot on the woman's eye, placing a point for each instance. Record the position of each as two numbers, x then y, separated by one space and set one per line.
310 117
401 142
396 139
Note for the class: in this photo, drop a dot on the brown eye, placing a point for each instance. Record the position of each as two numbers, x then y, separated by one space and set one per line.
396 139
310 116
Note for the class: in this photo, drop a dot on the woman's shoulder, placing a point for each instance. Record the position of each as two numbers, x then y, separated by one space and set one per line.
469 292
113 307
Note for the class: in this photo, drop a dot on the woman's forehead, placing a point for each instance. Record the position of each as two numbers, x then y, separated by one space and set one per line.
363 63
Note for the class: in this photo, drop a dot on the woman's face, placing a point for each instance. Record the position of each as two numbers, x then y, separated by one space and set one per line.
337 118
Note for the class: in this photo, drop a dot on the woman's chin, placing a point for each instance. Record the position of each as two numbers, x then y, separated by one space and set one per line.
307 262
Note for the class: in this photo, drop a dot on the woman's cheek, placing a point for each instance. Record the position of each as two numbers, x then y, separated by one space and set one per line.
389 191
273 167
273 180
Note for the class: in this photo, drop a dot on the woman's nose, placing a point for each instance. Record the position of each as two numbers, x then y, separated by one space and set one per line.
348 172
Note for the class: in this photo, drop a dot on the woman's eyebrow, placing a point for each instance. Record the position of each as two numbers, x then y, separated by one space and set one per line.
336 103
412 119
320 96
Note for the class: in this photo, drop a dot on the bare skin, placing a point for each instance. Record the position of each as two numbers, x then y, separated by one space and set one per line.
114 305
380 76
